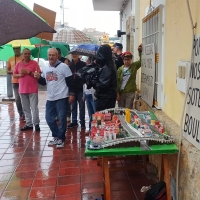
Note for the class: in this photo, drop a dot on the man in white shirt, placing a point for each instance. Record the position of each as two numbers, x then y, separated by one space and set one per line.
59 80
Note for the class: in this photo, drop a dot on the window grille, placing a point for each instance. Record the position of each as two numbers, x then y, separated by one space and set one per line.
152 33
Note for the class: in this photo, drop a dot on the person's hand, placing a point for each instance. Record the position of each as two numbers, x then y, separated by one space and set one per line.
118 97
24 71
140 48
71 98
36 74
22 75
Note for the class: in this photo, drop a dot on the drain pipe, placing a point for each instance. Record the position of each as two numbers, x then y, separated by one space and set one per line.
184 104
121 19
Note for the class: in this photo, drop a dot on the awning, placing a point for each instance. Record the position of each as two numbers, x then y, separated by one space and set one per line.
108 5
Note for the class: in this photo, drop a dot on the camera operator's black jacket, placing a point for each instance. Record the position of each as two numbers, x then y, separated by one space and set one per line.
77 80
106 84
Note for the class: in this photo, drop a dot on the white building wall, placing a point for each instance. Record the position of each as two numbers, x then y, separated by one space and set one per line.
132 9
126 13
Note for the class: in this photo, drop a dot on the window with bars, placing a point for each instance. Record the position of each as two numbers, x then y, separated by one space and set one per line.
152 33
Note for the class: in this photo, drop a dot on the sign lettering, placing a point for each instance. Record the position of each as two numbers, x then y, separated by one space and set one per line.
191 127
148 74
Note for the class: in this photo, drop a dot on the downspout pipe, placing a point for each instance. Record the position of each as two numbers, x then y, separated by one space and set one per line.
121 19
184 104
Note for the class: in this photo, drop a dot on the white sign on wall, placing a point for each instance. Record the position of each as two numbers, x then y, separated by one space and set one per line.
192 116
148 73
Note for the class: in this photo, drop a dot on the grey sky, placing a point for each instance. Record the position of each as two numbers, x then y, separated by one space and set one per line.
80 14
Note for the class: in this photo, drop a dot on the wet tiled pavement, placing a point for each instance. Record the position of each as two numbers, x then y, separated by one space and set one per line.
29 169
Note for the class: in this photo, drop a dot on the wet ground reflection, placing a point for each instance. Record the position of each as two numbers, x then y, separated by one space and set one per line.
30 169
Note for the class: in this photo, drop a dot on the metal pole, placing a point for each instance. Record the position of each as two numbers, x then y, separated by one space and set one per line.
63 14
121 18
9 86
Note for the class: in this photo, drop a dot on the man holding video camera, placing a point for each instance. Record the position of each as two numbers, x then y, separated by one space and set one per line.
102 77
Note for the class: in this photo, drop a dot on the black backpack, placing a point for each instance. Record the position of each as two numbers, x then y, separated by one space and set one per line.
157 192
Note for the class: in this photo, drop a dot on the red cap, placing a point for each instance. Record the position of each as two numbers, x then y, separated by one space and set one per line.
127 54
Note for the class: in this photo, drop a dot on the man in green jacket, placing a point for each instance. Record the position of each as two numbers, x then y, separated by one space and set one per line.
126 80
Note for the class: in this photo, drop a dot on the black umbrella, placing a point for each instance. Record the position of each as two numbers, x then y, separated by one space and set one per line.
17 21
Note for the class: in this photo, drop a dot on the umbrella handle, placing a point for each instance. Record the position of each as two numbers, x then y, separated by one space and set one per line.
39 51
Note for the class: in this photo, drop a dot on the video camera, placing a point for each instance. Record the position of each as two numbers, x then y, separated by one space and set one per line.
89 74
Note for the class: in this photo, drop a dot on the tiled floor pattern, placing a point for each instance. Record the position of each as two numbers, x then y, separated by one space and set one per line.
29 169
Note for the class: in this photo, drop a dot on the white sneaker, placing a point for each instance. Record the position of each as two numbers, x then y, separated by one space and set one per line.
53 142
60 144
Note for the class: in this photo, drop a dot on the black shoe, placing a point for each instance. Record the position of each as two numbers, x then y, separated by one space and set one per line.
25 128
72 125
37 127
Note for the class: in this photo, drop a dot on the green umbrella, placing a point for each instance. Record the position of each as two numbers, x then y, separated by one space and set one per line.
43 50
62 46
6 51
59 43
35 40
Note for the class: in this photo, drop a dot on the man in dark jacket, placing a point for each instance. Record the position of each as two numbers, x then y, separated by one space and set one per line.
117 50
106 83
76 65
62 59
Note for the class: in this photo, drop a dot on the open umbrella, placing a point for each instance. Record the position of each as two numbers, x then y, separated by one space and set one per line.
40 50
71 36
63 46
6 51
85 49
17 21
43 50
30 41
35 40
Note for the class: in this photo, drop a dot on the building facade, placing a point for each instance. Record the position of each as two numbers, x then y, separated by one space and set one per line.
166 24
94 33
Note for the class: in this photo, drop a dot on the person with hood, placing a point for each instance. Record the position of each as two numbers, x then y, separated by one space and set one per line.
106 83
126 79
